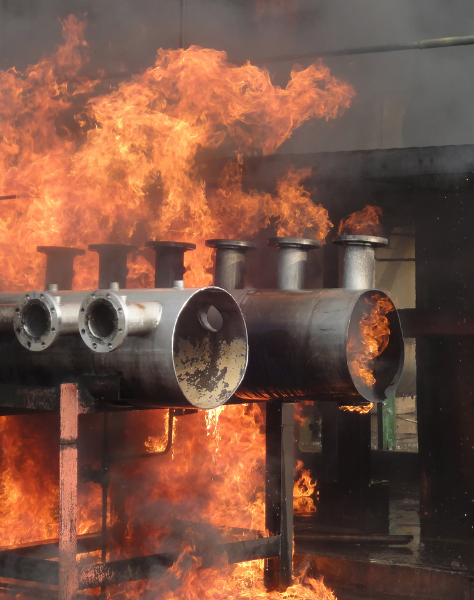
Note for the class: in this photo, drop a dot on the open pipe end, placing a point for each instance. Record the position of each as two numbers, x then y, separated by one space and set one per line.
375 348
37 321
210 348
103 323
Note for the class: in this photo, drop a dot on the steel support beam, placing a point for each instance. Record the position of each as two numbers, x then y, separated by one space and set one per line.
279 491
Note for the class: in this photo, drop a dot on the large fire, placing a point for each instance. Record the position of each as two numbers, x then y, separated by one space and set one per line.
121 167
370 340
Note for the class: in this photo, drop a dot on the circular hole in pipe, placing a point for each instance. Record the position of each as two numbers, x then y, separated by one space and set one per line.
102 319
210 318
36 320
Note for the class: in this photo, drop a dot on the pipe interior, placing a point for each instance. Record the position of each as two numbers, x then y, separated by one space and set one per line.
102 319
36 319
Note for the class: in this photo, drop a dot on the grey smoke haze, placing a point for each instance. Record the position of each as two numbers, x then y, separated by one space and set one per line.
403 99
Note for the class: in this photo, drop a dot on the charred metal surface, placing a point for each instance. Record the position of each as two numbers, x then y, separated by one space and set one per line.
154 566
60 265
230 262
279 434
68 427
112 263
169 263
298 346
29 569
44 549
190 359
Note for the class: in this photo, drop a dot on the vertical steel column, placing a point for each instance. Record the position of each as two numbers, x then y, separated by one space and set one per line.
112 263
59 265
279 431
68 417
230 262
292 261
169 263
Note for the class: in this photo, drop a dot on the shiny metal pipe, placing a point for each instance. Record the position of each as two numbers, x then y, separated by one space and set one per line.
230 262
299 346
187 360
359 260
292 261
106 319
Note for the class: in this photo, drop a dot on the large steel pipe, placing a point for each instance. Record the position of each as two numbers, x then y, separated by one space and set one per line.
188 359
359 260
302 344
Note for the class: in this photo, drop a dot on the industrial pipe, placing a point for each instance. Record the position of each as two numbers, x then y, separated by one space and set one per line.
113 263
106 319
447 42
186 360
169 262
359 260
230 262
40 318
292 261
59 265
300 346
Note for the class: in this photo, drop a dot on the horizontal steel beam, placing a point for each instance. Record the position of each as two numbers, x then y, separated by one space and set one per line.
29 569
154 566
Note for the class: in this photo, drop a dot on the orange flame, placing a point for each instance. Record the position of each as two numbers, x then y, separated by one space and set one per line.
122 169
370 340
363 222
362 409
304 491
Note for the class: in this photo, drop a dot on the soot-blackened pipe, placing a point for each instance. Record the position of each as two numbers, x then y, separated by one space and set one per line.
292 261
59 265
171 355
230 262
359 260
113 263
169 262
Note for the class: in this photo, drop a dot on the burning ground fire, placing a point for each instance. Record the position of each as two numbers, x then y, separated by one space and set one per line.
121 167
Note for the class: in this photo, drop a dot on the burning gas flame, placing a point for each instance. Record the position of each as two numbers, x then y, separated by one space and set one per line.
304 490
362 409
370 340
121 167
363 222
124 170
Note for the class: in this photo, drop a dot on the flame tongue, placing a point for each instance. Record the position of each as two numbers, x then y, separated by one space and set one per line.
124 170
363 222
370 339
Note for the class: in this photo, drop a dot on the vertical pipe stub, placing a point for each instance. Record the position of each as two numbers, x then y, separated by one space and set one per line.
230 262
60 265
359 260
169 262
112 263
292 260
